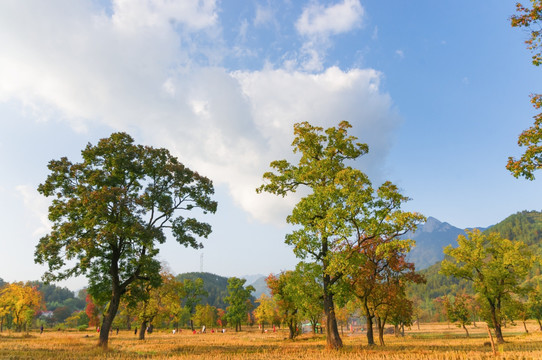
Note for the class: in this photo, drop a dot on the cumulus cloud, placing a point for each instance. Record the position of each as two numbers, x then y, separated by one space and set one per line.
317 19
318 22
134 69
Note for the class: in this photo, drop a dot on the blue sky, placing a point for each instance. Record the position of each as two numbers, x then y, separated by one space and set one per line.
438 89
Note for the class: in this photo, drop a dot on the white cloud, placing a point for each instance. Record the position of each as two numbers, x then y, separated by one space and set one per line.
319 20
38 206
264 15
136 14
400 53
93 68
317 23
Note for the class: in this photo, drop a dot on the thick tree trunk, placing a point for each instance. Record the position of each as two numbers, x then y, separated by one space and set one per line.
143 330
333 338
496 324
108 318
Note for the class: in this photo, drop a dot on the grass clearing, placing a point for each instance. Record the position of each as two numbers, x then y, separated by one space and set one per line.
432 341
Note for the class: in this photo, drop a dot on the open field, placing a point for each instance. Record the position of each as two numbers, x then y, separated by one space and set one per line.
432 341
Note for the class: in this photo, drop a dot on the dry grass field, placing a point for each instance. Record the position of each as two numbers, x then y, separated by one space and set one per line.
432 341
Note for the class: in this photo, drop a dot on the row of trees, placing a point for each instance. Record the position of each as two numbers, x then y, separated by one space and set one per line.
172 304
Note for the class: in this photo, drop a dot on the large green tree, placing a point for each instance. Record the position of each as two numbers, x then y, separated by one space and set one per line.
341 209
111 211
497 267
531 139
239 301
192 292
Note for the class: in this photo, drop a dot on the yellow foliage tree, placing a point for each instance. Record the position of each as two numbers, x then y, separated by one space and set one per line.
22 301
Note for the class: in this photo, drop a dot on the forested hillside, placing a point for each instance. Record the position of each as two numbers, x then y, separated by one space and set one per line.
215 285
523 226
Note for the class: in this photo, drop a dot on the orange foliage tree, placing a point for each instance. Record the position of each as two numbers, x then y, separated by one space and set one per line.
531 160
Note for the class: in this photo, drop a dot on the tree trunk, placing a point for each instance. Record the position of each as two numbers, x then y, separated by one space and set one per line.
496 323
539 324
108 318
333 338
467 331
369 320
291 327
192 324
128 320
525 327
143 330
396 330
370 336
380 325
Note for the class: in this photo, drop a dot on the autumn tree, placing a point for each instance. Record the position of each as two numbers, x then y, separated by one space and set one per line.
400 313
336 212
93 312
22 302
265 312
534 304
378 271
497 267
112 210
531 160
458 310
286 291
239 301
205 315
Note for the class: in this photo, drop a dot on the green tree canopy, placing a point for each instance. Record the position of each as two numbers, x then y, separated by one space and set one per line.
531 139
341 210
110 212
496 266
238 300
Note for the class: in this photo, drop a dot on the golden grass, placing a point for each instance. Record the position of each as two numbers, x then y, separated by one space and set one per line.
432 341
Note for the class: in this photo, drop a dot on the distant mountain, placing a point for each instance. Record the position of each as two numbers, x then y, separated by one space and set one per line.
431 238
251 279
261 287
523 226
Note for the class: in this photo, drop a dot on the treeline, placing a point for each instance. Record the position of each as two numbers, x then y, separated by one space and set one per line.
188 300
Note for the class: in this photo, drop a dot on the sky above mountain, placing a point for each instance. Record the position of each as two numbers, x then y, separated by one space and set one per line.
439 90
